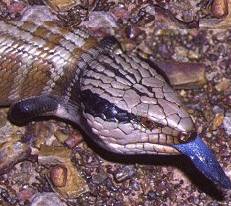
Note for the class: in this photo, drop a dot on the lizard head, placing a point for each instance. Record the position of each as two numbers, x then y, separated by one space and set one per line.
130 107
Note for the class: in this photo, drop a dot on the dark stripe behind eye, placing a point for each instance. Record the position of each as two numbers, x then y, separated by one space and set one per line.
100 107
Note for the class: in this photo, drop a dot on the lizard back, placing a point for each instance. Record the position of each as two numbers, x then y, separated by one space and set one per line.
43 54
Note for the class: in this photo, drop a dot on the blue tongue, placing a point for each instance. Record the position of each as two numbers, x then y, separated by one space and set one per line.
205 161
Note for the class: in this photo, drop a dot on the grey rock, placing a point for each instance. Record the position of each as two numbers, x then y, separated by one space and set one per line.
48 199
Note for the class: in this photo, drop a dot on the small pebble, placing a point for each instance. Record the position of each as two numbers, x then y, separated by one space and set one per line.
111 186
12 151
151 195
99 19
38 13
124 173
73 140
223 85
217 109
133 32
25 194
47 199
134 184
58 175
219 8
218 120
61 136
99 177
227 123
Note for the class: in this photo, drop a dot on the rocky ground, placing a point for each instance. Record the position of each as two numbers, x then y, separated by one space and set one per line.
54 163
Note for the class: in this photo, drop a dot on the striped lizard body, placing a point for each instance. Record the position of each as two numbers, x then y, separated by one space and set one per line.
121 101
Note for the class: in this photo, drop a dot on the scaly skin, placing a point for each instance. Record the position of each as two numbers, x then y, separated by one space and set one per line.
41 54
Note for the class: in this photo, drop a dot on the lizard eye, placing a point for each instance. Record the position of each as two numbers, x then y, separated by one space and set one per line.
147 123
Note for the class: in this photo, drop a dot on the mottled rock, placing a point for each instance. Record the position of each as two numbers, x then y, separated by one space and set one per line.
47 199
73 140
217 121
184 75
217 110
151 195
120 13
165 19
211 75
74 185
179 177
58 175
133 32
124 173
39 133
100 177
61 136
7 195
38 13
25 194
219 8
227 123
12 151
3 119
14 9
223 85
62 5
100 22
